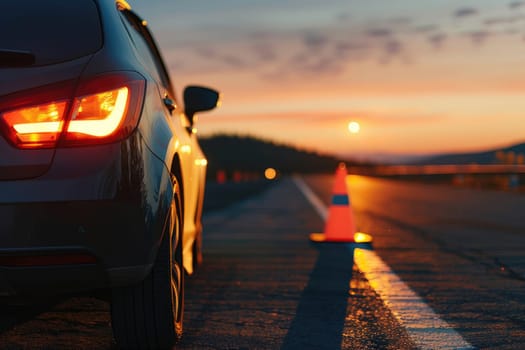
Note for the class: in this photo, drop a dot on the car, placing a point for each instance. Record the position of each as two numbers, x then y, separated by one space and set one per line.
102 177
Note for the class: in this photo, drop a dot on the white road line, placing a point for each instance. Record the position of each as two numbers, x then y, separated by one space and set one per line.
422 324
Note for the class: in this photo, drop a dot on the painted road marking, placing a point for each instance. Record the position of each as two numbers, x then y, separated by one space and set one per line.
422 324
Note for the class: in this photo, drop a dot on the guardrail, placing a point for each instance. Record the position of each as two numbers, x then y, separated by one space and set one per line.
468 169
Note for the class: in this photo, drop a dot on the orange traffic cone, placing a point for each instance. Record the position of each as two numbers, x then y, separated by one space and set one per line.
340 226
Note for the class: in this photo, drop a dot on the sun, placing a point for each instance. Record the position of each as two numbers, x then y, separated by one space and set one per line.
354 127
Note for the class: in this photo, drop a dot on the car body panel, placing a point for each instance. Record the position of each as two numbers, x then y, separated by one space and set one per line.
105 204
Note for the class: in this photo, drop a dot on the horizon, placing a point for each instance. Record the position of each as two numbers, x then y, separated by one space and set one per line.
420 78
380 157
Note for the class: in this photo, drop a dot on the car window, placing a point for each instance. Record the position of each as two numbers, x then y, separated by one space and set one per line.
146 47
53 30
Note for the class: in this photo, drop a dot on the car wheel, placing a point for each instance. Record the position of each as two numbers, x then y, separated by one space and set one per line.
149 315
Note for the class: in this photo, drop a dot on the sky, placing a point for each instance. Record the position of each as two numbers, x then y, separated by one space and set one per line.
420 77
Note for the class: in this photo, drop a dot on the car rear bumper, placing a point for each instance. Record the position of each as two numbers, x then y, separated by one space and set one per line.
52 280
94 220
73 246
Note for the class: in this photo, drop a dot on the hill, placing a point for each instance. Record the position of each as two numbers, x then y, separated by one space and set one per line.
245 154
514 154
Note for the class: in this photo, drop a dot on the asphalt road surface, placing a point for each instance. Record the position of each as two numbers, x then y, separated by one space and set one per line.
264 285
462 250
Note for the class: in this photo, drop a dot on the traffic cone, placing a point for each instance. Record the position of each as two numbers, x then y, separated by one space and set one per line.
340 225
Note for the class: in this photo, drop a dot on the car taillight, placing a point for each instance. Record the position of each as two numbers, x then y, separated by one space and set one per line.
101 109
99 114
36 126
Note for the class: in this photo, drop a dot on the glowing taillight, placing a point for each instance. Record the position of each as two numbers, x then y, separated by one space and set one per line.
100 114
36 126
106 109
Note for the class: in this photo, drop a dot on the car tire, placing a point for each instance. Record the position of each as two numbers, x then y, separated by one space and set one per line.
149 315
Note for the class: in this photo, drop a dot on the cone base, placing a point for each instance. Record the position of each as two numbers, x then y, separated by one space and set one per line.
359 237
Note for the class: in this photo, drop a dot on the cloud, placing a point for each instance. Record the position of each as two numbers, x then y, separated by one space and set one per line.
389 47
504 20
401 20
314 41
516 5
319 55
343 17
437 39
265 52
351 51
306 63
292 54
326 65
233 61
427 28
205 52
478 37
333 56
217 57
378 32
392 49
465 12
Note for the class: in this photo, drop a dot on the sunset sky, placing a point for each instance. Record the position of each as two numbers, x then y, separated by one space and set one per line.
420 77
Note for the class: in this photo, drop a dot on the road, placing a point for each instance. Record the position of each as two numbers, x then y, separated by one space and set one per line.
462 250
264 285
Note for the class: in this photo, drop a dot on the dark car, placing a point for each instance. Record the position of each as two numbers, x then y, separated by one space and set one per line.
101 176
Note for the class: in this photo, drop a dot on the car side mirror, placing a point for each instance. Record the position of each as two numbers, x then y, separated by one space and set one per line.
199 99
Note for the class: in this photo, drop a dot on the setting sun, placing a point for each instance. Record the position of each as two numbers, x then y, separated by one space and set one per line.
354 127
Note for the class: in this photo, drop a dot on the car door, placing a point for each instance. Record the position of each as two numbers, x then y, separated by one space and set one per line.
173 137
